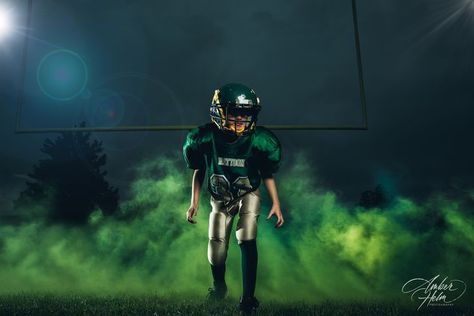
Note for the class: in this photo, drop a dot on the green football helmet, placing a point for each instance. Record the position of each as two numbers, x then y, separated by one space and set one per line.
234 109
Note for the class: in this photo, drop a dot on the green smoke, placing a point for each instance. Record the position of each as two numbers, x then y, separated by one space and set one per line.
325 250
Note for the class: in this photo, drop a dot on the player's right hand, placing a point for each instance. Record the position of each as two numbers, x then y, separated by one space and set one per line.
192 211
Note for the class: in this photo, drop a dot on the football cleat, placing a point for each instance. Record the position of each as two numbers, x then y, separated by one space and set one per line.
248 304
216 293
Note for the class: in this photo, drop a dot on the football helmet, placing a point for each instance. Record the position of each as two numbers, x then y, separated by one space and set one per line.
234 109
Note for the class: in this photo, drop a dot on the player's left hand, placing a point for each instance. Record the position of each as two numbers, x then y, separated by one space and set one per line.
277 212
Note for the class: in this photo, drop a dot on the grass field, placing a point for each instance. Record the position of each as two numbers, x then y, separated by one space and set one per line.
48 304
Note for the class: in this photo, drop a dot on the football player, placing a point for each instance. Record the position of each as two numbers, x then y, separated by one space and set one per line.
233 155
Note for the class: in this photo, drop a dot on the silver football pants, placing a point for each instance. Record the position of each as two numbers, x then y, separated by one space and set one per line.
220 224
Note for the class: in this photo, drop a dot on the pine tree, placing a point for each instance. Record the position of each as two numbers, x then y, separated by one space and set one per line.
70 180
371 199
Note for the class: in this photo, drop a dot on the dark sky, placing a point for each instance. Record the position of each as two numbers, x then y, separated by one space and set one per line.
160 62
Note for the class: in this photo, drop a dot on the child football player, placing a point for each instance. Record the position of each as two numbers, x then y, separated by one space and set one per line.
237 155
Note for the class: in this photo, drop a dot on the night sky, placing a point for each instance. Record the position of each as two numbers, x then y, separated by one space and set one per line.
159 63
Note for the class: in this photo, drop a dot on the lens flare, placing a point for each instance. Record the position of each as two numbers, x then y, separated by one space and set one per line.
105 108
445 14
62 75
5 23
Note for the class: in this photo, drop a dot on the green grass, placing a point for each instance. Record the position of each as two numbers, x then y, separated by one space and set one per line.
49 304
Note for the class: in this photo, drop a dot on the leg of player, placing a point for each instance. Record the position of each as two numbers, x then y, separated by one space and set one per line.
249 269
246 236
220 225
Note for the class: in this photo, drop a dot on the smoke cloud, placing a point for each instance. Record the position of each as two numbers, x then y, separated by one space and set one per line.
325 250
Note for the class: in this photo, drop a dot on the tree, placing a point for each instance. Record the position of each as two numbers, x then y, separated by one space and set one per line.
70 180
371 199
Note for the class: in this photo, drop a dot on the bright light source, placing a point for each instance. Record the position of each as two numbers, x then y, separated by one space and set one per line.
5 23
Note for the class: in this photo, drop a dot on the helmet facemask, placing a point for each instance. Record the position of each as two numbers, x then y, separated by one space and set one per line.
235 119
240 121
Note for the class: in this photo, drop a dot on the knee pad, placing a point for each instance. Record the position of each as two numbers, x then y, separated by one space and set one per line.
247 227
248 219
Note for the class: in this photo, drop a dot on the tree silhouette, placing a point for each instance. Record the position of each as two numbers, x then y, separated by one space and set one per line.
372 199
70 180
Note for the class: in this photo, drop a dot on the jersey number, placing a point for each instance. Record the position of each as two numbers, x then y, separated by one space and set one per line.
221 187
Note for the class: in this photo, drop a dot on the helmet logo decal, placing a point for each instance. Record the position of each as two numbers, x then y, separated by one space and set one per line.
242 99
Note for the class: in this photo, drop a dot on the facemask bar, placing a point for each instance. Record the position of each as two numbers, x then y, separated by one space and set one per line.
220 115
247 118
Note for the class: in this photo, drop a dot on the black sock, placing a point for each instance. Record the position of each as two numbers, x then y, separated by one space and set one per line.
249 266
218 274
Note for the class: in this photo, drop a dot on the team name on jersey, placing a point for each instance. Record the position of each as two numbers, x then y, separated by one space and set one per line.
230 162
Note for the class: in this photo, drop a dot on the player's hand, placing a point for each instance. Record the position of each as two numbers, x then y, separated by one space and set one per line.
276 211
192 211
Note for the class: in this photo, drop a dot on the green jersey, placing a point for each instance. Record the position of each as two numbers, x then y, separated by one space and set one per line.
233 169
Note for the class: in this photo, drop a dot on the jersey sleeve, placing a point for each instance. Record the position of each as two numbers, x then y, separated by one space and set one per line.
192 152
270 153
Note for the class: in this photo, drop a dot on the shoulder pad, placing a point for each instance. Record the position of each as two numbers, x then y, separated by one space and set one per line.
199 135
196 146
265 140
